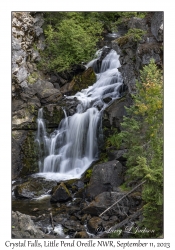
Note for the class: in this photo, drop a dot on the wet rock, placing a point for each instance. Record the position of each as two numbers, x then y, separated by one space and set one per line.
61 194
81 235
105 177
97 64
94 224
33 188
157 26
107 99
53 114
73 226
24 227
28 189
113 114
79 82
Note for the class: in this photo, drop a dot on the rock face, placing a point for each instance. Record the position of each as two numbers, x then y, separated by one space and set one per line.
135 55
105 177
157 26
29 92
24 227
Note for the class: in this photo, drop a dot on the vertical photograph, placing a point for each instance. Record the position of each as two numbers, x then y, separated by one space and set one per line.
87 125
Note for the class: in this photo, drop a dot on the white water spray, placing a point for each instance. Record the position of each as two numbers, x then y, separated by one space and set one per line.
71 149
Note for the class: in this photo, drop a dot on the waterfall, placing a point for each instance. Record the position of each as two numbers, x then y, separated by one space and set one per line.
72 148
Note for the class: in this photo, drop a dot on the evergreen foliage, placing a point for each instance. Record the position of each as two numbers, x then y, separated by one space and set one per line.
71 38
142 135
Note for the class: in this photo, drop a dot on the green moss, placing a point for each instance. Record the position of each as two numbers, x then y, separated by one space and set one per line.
65 188
33 77
88 173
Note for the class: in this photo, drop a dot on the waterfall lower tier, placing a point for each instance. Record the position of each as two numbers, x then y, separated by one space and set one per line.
69 151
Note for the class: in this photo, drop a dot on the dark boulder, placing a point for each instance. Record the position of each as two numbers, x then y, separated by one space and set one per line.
61 194
113 115
105 177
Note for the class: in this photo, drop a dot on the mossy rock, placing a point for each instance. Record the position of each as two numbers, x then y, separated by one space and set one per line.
33 77
82 81
61 194
29 189
25 118
53 114
29 155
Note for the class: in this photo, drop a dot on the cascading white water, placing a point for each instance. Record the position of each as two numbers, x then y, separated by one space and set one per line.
71 149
